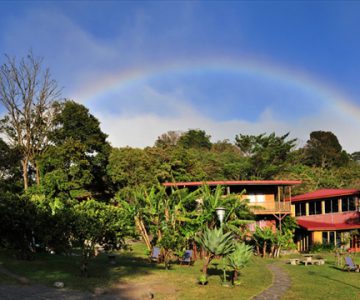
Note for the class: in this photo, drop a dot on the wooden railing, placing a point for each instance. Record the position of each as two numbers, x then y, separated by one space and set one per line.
270 207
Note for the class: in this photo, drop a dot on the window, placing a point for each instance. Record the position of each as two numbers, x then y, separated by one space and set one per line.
324 237
256 198
348 204
335 205
300 209
331 206
328 206
331 238
315 208
352 203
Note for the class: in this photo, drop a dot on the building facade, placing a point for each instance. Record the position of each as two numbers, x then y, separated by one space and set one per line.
266 197
327 217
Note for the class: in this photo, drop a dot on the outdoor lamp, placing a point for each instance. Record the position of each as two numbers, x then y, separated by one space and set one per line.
220 212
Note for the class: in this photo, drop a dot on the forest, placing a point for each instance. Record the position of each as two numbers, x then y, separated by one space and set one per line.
63 185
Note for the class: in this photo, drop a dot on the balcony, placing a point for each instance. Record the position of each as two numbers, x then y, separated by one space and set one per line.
266 208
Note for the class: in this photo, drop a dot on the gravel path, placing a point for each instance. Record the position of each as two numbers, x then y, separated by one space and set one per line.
281 283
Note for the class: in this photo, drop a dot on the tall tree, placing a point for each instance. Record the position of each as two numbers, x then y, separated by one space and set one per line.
195 138
267 154
79 150
28 95
168 139
324 150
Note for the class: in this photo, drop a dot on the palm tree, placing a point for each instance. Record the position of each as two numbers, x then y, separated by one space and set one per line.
216 243
239 259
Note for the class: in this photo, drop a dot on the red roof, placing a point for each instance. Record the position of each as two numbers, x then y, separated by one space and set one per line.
311 225
232 182
325 193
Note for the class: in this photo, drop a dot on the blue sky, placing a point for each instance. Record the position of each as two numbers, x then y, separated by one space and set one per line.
227 67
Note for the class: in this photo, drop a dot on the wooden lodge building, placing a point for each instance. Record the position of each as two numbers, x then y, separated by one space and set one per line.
270 195
327 216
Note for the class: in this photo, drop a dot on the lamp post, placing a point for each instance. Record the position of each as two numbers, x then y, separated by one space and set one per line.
220 212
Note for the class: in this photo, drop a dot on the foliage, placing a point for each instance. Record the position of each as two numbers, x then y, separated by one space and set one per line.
324 150
289 224
195 138
28 95
239 259
319 247
170 242
215 243
168 139
267 154
78 157
101 224
18 216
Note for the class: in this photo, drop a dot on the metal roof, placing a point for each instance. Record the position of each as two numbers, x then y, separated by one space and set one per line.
325 193
312 225
235 182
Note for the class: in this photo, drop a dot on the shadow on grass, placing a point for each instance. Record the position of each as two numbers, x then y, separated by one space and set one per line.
47 269
335 280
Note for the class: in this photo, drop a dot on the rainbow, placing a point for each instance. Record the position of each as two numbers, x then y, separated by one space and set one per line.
289 77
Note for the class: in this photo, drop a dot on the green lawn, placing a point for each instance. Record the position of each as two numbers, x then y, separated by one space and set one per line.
133 270
323 282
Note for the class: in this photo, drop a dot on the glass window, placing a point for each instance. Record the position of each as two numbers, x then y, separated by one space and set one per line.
327 206
312 210
260 198
335 205
331 237
352 203
324 237
345 204
300 209
318 207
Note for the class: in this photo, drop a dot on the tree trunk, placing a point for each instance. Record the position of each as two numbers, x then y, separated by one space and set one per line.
273 251
140 225
235 276
37 174
24 164
264 249
206 264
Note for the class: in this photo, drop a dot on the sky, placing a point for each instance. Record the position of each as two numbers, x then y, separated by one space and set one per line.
227 67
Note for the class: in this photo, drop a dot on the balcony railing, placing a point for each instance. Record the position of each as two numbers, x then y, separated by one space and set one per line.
262 208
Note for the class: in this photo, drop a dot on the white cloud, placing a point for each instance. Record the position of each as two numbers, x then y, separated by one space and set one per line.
142 129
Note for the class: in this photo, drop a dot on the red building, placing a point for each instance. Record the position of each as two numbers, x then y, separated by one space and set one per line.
327 216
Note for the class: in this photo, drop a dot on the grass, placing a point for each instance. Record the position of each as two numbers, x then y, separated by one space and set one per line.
134 272
323 282
133 268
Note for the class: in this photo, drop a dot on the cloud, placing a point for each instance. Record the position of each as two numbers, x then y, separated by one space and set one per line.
142 129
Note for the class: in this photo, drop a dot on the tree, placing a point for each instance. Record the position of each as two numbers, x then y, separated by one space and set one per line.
267 154
79 151
168 139
355 156
216 243
28 95
239 259
195 138
324 150
101 224
10 173
18 216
